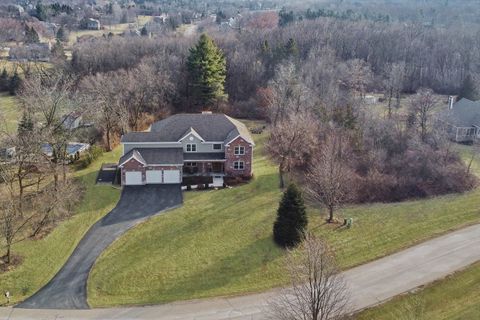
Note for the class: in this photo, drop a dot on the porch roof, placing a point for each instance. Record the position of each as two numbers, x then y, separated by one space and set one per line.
214 156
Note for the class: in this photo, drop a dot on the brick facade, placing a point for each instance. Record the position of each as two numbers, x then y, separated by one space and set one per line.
247 158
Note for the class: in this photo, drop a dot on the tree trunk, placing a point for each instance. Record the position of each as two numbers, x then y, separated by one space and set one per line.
330 214
280 174
7 256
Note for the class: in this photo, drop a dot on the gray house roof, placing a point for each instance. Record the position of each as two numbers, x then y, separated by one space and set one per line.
167 156
211 127
465 113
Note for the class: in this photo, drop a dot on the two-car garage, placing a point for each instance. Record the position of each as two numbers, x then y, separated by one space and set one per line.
163 176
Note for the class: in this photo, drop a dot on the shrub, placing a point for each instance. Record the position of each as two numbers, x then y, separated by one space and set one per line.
87 158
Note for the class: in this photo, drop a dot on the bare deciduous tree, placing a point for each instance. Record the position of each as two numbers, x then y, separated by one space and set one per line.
421 107
318 290
292 141
329 178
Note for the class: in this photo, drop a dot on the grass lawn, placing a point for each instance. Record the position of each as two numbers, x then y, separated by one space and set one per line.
114 28
219 242
9 112
453 298
43 258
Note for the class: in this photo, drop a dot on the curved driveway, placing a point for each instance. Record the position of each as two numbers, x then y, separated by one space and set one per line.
67 290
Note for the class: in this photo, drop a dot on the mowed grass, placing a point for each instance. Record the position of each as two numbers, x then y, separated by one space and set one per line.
456 297
220 242
114 29
9 112
43 258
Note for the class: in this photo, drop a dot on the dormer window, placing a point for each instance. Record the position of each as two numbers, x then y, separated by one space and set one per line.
191 147
239 150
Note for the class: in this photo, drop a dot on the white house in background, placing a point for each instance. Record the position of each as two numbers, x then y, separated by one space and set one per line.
462 119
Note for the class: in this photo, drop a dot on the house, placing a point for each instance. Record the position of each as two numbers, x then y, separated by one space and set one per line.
92 24
462 120
6 153
72 121
31 52
187 145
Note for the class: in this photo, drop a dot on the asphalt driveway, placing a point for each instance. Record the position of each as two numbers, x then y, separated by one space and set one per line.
68 289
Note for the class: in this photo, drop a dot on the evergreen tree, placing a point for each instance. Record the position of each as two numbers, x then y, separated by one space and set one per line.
61 35
291 49
58 51
31 36
468 89
4 81
26 124
207 71
41 12
144 31
291 222
14 84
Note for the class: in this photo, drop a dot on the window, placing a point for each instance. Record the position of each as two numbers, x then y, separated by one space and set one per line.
190 164
217 146
191 147
239 165
239 150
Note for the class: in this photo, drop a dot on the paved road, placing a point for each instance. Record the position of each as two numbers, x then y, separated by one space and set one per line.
67 290
370 284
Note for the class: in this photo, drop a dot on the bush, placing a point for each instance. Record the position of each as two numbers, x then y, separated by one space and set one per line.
291 222
87 158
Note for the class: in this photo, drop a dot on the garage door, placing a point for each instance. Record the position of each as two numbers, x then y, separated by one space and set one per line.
171 176
154 176
133 178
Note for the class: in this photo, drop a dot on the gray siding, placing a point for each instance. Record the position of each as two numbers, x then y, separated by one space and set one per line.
201 146
129 146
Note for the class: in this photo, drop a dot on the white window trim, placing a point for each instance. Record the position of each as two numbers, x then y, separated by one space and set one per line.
191 144
239 148
239 162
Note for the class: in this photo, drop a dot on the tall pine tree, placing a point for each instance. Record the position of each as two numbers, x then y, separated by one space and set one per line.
207 72
289 228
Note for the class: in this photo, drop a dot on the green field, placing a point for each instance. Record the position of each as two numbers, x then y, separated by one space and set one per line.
43 258
219 242
455 298
9 112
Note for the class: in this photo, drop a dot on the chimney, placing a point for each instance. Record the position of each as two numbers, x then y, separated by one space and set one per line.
451 100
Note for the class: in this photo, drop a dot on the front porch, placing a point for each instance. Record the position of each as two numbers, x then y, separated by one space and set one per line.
207 168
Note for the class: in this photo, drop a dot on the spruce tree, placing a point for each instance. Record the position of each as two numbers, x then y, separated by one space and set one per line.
291 49
144 31
207 72
291 222
25 124
468 89
31 36
4 81
62 35
14 84
58 51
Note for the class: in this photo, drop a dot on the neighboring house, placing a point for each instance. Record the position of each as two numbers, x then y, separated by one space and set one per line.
462 120
206 145
73 150
31 52
6 153
92 24
72 121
